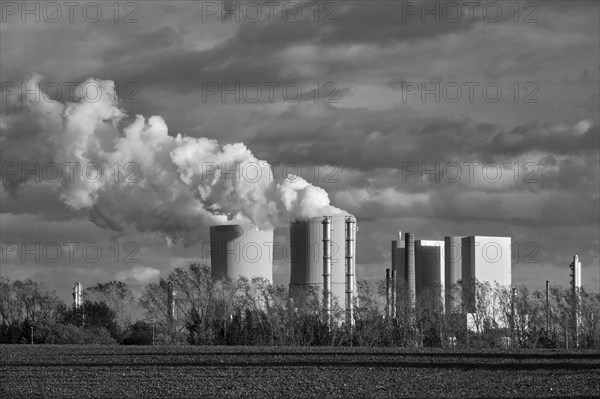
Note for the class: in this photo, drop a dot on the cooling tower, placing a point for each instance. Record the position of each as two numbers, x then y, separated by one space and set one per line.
453 266
306 256
241 250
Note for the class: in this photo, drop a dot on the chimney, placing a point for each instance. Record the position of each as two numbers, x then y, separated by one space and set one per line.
409 253
327 268
350 266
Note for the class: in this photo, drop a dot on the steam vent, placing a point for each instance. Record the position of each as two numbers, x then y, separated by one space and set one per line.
241 250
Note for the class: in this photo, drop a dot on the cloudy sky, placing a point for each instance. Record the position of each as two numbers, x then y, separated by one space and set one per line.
436 119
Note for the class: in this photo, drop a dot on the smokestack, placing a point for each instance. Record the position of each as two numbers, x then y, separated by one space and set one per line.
393 296
77 296
350 267
409 253
327 268
388 294
170 302
576 293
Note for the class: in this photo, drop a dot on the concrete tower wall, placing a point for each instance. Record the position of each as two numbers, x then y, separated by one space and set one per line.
485 259
429 259
453 272
241 250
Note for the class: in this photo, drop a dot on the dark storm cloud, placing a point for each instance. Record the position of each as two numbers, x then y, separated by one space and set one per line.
536 137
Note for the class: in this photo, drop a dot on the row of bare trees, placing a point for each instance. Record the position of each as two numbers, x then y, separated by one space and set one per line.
254 312
250 312
31 312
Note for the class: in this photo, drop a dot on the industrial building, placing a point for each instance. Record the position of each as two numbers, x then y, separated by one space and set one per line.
484 259
241 250
309 259
430 270
439 266
453 272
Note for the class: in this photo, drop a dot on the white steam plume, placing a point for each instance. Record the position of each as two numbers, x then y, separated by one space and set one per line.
174 186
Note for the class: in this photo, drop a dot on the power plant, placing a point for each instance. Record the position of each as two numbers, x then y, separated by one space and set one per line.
323 258
322 255
241 250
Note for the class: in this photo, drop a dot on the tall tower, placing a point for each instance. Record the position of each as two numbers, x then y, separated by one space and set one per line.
78 303
576 297
77 296
350 268
170 302
327 268
409 262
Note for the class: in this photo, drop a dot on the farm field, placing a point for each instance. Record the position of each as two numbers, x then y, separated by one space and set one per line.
316 372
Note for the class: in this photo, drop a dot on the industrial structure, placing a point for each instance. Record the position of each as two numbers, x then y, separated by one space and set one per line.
453 272
410 275
575 275
323 255
438 266
430 275
241 250
78 303
484 259
170 302
77 296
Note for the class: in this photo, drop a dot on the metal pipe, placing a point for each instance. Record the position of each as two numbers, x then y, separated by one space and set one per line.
512 313
547 307
409 252
327 268
576 297
78 302
393 297
350 265
170 302
77 295
388 294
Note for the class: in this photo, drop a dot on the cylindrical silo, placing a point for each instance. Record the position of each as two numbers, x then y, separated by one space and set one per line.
409 252
453 272
241 250
306 256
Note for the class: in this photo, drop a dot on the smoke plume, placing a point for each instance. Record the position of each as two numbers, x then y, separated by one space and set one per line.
138 175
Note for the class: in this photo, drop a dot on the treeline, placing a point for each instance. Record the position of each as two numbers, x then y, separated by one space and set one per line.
254 312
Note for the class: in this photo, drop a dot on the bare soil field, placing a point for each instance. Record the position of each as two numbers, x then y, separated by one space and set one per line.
227 372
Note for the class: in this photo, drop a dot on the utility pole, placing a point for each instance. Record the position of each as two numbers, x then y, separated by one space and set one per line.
152 334
31 335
